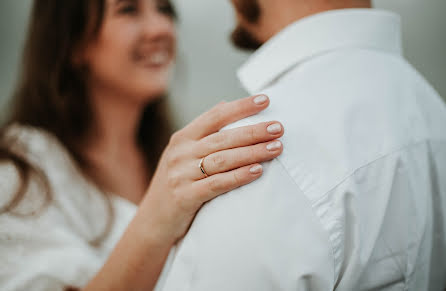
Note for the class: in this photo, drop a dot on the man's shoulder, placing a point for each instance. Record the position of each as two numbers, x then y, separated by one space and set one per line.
342 111
333 83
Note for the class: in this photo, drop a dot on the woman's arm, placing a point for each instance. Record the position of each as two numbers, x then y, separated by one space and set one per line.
179 189
137 260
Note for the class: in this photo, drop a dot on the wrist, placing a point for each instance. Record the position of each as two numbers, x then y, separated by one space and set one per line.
151 232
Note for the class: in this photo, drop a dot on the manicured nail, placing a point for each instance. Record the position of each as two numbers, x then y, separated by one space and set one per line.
259 100
274 128
256 169
274 146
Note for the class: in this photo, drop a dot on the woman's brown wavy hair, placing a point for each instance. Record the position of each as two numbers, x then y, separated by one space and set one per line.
52 94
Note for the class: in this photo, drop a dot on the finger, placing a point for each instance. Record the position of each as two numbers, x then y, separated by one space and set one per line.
211 187
240 137
227 160
223 114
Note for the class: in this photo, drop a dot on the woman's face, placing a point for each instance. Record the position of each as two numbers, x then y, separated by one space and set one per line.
134 49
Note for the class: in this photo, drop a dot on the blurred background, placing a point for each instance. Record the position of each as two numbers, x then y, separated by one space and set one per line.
205 73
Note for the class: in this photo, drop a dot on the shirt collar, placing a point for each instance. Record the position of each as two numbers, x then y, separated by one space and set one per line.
318 34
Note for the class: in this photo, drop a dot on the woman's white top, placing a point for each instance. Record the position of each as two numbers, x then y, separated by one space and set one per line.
52 249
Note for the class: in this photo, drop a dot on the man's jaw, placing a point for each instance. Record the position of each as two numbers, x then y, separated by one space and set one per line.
248 12
244 40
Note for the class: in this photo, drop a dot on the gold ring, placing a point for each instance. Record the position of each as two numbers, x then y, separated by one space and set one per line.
200 165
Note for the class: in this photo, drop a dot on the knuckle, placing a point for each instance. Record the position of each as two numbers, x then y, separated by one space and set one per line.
174 179
254 153
238 179
216 107
216 114
214 186
214 110
173 159
252 133
218 140
176 138
218 160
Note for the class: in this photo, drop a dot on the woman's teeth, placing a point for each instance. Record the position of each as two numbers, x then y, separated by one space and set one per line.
156 58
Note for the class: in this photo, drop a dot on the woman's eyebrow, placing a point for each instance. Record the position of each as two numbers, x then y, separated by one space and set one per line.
116 2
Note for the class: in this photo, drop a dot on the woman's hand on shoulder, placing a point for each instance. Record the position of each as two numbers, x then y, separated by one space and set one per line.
228 160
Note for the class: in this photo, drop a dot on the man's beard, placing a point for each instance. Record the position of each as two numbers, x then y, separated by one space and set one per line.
244 40
241 37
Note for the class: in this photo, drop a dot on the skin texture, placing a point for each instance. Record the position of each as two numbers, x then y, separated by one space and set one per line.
122 80
254 29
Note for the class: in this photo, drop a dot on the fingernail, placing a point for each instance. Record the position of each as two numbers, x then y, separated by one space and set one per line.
274 146
256 169
259 100
274 128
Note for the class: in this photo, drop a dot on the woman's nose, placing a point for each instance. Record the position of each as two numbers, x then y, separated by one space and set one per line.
156 24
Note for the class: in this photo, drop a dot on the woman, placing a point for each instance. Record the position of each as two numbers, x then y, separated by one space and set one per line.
89 198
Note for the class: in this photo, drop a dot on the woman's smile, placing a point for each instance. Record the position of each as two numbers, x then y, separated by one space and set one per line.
154 57
133 52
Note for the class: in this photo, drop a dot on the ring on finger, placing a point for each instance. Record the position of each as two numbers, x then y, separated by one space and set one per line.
200 165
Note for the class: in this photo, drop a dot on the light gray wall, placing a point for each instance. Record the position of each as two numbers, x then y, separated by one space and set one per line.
424 36
207 63
13 24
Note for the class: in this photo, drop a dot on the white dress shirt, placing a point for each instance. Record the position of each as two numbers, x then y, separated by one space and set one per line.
357 201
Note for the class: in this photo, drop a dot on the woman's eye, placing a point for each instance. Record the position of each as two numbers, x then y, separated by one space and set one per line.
165 7
128 9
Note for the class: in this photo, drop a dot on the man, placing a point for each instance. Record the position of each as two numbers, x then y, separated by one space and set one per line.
357 201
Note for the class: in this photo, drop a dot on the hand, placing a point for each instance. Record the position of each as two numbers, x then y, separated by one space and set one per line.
230 158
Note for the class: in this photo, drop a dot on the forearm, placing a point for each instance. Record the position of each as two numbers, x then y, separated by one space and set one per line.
135 263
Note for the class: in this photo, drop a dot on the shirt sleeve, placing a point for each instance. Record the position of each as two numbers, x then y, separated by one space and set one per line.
264 236
39 252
